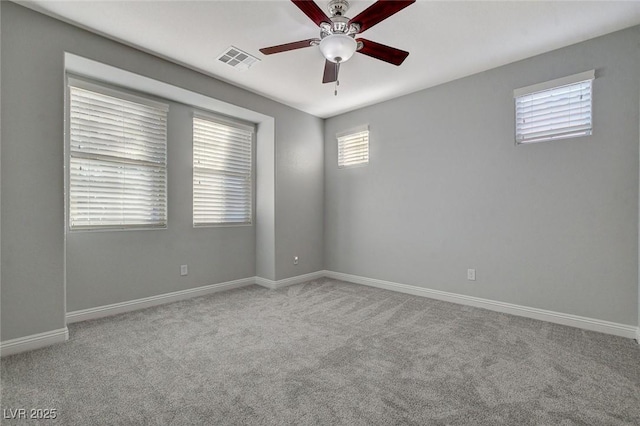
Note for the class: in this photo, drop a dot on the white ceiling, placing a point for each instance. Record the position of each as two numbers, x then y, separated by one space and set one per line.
446 40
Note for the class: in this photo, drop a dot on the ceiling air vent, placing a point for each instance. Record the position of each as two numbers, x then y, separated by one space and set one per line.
238 59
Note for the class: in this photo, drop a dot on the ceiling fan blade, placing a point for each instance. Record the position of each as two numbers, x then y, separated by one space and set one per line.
312 10
384 53
330 72
288 46
378 12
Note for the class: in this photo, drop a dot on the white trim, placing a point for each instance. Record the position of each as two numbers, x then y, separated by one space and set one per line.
558 82
33 341
224 120
124 94
274 285
88 68
134 305
265 282
592 324
358 129
40 340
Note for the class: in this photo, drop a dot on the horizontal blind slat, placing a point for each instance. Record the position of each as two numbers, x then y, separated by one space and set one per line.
584 130
353 148
554 113
557 121
117 169
222 173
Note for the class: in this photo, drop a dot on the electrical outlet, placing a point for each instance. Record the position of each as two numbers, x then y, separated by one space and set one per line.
183 270
295 260
471 274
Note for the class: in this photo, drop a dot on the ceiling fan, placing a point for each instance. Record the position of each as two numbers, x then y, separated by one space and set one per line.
337 40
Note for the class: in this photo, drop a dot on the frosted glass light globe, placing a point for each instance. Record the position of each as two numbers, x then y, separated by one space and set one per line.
338 47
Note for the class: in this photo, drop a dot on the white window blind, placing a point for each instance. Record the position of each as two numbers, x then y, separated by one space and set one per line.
554 110
117 164
222 172
353 147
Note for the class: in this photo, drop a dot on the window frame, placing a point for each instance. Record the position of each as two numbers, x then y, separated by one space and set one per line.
548 86
125 94
351 132
233 122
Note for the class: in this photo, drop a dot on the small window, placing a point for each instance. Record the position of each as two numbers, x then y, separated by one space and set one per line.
222 171
556 109
353 147
117 159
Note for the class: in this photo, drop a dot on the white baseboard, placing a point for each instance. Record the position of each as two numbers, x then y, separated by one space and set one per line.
273 285
40 340
592 324
147 302
34 341
265 282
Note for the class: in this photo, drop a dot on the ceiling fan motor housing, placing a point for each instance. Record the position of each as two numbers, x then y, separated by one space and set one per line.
338 25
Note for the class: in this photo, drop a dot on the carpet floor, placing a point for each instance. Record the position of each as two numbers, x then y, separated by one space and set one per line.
326 352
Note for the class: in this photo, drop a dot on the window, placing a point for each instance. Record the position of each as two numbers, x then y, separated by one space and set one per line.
117 159
353 147
222 171
554 110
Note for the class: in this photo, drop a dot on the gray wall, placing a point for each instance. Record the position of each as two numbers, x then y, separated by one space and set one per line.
110 267
551 225
299 216
116 266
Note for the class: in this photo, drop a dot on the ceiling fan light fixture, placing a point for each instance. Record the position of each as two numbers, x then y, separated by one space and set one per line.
337 41
338 47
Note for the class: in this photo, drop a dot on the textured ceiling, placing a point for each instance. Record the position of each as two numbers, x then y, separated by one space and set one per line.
446 40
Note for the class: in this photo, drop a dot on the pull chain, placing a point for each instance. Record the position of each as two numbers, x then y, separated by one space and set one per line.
335 92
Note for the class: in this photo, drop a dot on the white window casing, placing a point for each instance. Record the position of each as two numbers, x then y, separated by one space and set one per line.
556 109
117 159
353 147
222 171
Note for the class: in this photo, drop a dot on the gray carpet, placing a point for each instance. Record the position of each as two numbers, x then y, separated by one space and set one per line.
327 352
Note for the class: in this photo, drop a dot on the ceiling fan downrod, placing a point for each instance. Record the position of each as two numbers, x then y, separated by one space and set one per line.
338 7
